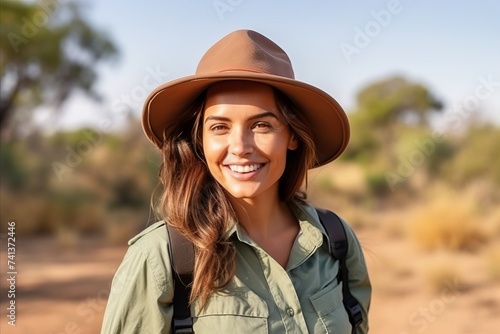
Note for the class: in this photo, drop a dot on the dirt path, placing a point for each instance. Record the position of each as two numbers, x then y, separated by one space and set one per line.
60 291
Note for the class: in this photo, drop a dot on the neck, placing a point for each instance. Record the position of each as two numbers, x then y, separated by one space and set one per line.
262 217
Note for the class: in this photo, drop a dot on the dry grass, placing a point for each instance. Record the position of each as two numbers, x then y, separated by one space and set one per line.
345 178
493 263
450 223
357 219
67 238
493 223
441 272
394 227
26 215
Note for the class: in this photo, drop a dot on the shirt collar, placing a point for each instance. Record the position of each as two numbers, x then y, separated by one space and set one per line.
310 226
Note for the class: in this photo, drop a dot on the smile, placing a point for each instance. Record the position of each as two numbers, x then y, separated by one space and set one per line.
246 168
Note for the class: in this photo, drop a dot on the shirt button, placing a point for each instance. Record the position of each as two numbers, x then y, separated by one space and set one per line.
290 311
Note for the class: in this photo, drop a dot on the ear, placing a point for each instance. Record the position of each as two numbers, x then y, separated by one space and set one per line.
293 143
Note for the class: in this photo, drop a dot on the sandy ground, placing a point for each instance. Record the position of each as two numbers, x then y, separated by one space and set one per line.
65 291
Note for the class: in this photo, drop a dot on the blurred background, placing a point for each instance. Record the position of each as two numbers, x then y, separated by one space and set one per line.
420 181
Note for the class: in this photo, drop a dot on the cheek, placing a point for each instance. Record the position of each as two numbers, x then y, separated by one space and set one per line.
272 146
212 149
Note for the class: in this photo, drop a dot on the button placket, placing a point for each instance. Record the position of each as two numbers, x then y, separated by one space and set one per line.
283 292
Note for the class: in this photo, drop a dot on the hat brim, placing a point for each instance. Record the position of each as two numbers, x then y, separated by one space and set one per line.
328 121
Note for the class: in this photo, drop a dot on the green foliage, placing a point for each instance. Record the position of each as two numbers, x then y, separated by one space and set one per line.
396 100
126 194
116 174
476 157
443 152
391 136
48 51
377 183
387 111
14 172
71 138
365 142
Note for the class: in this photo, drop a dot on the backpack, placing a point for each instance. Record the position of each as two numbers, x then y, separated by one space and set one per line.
182 260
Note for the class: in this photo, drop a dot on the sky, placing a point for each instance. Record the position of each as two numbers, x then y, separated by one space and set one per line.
451 47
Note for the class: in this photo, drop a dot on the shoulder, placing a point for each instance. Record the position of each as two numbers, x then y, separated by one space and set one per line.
142 287
151 243
149 250
153 233
312 215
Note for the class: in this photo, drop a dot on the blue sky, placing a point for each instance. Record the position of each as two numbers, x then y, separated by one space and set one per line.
340 46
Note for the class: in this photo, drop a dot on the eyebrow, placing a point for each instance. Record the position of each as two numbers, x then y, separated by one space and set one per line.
261 115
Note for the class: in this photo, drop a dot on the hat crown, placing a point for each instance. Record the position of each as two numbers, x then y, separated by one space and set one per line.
247 51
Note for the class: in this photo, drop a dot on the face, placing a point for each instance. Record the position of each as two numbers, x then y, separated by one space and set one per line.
245 139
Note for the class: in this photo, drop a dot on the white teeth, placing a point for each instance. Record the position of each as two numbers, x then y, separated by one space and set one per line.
245 169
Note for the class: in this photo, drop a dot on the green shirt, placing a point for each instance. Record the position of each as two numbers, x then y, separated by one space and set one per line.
263 297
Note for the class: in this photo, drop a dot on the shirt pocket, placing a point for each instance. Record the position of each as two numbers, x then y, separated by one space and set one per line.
330 309
242 312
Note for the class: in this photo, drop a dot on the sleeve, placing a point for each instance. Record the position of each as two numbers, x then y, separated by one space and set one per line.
140 300
359 281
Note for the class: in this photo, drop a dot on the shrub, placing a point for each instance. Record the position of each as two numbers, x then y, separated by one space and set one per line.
377 183
449 224
477 156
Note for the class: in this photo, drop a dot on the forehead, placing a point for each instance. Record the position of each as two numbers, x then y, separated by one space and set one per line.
238 95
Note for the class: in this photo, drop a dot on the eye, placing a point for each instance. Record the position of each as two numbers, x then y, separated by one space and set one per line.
218 128
262 126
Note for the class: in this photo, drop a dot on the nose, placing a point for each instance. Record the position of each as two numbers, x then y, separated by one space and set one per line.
240 142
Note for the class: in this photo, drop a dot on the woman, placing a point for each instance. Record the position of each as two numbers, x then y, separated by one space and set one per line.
237 139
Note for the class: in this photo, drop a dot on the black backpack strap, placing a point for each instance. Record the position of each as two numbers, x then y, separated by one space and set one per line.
181 253
339 247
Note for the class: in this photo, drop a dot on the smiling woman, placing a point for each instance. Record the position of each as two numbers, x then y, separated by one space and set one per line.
237 139
245 140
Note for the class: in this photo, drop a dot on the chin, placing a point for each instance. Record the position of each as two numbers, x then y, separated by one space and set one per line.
242 193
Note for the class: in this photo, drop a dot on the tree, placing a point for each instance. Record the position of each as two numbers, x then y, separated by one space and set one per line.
384 108
47 52
394 100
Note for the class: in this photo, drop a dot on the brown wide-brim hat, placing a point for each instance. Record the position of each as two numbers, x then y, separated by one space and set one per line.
248 55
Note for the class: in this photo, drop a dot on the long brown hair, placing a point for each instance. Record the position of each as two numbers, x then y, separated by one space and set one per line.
193 202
